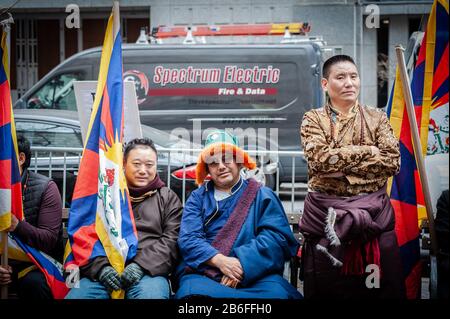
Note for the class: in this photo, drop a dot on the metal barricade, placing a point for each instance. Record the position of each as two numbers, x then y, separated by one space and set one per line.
61 163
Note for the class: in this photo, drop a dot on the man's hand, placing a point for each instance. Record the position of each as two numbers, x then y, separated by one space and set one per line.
109 278
131 275
227 281
5 275
229 266
14 222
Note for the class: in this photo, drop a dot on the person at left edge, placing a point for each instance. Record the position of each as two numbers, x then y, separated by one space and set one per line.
41 229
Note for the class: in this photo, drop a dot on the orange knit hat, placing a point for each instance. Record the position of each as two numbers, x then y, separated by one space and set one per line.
221 142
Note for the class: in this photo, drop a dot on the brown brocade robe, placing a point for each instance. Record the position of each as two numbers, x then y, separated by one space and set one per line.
335 143
347 150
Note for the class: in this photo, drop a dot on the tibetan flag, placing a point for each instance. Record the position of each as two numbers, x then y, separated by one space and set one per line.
52 269
430 91
431 85
10 187
101 221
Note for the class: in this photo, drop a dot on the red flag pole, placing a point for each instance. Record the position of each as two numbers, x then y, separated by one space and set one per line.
417 146
4 240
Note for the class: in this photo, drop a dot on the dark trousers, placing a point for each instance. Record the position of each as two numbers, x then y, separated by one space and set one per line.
33 286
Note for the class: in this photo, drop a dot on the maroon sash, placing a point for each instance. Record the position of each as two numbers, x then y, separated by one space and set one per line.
226 237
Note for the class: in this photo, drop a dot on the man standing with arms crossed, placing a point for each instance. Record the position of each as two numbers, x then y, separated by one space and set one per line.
348 221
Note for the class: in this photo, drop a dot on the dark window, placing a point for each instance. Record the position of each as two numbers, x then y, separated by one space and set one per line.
383 62
414 24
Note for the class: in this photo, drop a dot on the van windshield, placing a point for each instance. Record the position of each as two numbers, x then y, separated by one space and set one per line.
57 93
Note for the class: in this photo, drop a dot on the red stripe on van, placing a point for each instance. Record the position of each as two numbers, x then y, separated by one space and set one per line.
206 91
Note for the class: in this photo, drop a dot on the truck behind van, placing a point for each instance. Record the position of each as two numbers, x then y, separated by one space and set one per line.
258 91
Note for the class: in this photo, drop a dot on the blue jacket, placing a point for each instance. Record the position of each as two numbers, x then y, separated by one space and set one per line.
263 245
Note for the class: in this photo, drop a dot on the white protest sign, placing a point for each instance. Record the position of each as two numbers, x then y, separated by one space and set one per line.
84 96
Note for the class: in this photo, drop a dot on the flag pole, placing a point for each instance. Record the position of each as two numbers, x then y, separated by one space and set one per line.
4 234
4 240
417 146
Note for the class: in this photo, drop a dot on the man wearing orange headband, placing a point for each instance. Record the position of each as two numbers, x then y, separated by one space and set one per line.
234 236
